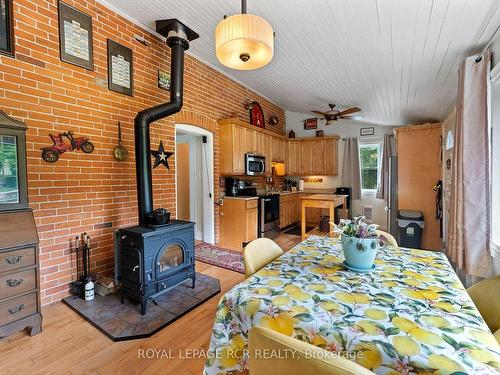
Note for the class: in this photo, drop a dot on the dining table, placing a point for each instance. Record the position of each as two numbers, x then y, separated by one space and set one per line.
409 315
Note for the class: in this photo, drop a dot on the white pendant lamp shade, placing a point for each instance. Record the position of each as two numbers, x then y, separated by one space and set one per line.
244 42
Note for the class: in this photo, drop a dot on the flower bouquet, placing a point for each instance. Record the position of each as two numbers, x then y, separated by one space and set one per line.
360 243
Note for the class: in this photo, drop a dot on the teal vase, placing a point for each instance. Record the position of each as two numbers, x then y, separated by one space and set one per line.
360 252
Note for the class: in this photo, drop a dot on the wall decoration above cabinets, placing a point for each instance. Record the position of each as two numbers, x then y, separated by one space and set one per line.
273 120
60 146
311 123
120 68
6 28
75 37
256 115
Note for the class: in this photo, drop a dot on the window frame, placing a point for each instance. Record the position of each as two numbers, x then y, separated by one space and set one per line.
366 144
10 29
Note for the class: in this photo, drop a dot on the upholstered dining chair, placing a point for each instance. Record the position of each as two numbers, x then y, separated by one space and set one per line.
486 296
390 239
258 253
306 358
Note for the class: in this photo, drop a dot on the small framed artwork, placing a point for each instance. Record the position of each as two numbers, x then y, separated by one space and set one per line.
367 131
75 37
163 80
311 123
6 28
257 115
120 68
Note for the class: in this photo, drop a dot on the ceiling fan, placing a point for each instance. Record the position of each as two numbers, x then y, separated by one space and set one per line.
333 114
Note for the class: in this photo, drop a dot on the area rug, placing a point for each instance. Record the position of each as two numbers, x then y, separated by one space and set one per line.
124 321
217 256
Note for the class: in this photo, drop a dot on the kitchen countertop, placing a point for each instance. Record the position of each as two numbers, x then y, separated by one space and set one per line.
241 197
324 197
309 191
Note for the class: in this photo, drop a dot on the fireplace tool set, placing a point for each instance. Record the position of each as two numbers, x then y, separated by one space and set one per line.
83 286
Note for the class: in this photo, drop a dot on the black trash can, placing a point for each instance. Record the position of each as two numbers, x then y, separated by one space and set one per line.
411 225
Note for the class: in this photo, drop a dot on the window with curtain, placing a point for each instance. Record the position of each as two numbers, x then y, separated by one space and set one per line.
369 160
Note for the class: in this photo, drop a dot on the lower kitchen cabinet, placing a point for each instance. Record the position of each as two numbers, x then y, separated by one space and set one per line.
238 222
289 209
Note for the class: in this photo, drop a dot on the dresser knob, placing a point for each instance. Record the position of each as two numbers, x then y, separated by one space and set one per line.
14 282
13 259
16 309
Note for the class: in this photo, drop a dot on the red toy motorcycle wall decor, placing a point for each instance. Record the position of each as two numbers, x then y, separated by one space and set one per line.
51 154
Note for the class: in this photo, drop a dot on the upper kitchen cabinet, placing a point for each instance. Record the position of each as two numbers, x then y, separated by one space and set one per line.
294 166
312 156
330 157
238 138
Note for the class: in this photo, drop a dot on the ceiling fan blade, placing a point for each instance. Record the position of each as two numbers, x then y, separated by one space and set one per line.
349 111
319 113
352 117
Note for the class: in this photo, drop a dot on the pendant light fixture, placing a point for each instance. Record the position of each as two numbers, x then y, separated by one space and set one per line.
244 41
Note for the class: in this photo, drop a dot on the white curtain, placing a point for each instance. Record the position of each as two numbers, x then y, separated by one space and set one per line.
351 173
469 226
387 152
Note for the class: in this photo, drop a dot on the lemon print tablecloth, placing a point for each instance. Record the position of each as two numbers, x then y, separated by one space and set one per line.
411 315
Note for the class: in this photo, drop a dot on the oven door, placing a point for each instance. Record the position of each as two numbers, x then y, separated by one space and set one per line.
255 165
269 216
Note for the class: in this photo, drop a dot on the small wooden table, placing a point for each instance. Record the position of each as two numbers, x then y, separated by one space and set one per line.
329 201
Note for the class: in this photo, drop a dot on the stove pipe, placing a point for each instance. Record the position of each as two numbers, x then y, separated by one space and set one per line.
178 37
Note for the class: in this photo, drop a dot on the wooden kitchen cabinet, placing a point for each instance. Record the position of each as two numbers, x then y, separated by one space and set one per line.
312 157
330 157
294 166
289 209
238 222
307 158
302 156
238 138
278 149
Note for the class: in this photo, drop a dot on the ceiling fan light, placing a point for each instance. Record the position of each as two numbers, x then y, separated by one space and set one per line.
244 42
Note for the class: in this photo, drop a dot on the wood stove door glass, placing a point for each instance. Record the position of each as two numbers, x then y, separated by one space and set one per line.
171 257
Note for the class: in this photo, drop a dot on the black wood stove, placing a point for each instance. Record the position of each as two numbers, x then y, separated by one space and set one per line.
154 260
153 257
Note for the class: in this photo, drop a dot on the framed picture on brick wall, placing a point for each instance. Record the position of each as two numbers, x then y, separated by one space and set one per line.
6 28
120 68
75 37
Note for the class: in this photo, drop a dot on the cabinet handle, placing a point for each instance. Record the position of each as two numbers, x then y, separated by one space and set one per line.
13 259
16 309
14 282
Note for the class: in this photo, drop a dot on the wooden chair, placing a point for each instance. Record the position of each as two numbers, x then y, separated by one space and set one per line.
258 253
391 240
306 358
486 296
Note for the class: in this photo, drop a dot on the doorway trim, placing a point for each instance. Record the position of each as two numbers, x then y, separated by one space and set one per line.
208 203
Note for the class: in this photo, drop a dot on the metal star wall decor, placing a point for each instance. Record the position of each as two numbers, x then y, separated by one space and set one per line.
161 156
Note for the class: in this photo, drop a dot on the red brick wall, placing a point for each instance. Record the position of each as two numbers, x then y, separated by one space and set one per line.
84 192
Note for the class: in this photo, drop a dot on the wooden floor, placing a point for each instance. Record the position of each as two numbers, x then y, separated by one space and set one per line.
70 345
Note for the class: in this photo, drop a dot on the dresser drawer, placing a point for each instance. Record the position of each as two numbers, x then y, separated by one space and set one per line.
13 260
17 308
17 283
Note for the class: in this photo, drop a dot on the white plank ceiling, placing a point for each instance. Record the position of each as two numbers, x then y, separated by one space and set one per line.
396 59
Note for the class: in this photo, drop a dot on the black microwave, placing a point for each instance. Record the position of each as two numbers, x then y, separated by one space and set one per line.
255 165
